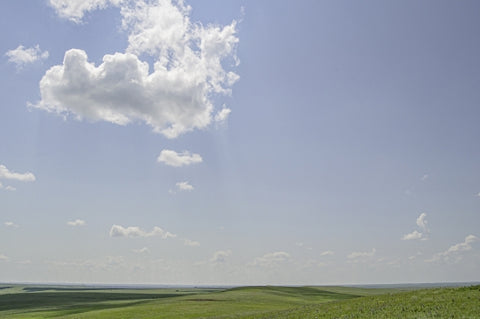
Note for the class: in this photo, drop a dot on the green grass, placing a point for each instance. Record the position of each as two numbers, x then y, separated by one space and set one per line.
242 302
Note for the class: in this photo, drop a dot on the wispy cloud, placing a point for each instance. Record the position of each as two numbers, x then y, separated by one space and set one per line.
362 254
222 115
220 256
133 231
172 158
4 258
454 251
184 186
143 250
11 224
22 56
76 223
271 259
191 243
327 253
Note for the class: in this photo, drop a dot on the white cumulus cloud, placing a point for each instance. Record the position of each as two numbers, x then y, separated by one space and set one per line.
422 224
5 173
413 235
74 10
22 55
172 158
133 231
77 222
173 98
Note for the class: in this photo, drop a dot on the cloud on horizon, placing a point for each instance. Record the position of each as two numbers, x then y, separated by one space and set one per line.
134 231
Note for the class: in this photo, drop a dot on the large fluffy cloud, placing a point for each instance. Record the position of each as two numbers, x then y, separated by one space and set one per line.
173 98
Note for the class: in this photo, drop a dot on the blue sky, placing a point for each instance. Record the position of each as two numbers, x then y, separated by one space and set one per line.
239 142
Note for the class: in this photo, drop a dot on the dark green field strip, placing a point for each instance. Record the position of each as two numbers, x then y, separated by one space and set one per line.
5 287
39 289
299 292
56 299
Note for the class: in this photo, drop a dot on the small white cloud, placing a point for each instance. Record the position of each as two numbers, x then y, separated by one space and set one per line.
5 173
22 56
412 236
4 258
143 250
478 195
222 115
220 256
422 222
11 224
191 243
172 158
133 231
327 253
424 177
271 259
359 254
184 186
76 223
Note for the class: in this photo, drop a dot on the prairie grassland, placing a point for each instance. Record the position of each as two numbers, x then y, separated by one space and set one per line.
242 302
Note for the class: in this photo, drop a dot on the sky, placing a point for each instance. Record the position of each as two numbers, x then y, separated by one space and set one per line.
239 142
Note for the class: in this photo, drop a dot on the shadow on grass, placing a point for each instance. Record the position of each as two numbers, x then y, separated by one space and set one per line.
66 300
299 292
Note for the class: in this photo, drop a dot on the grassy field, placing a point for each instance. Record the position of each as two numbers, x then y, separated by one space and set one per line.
243 302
